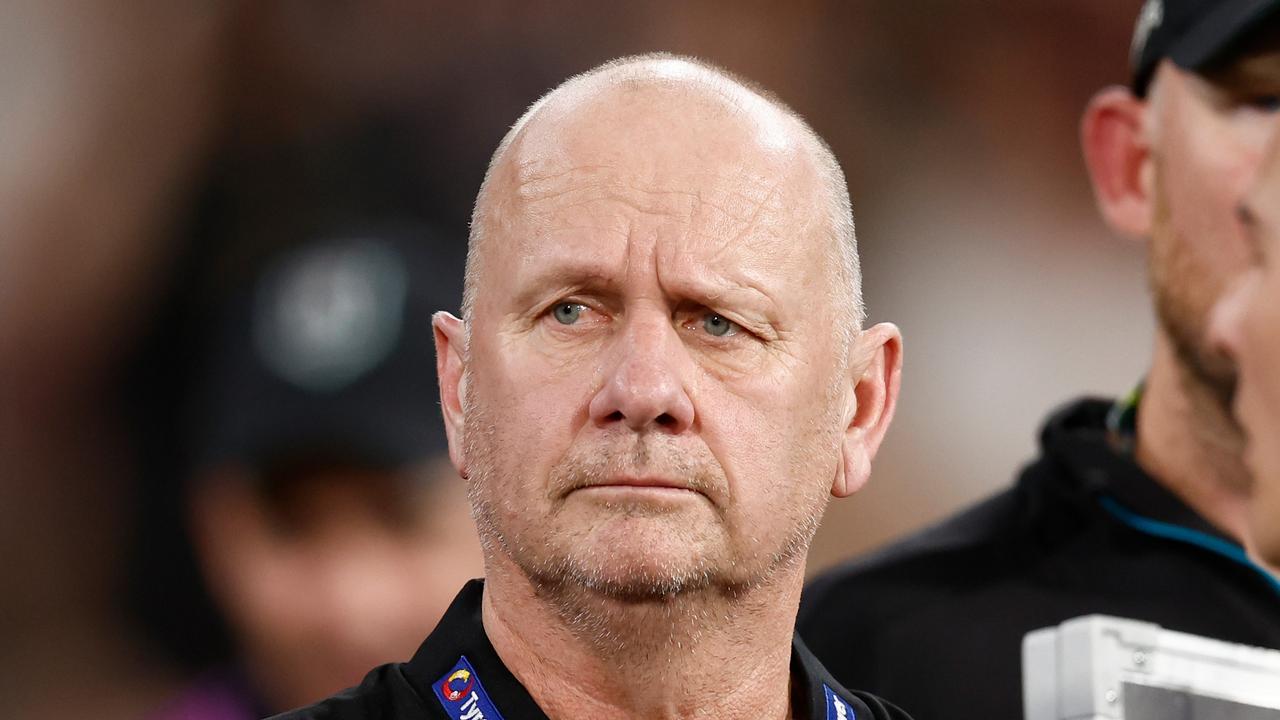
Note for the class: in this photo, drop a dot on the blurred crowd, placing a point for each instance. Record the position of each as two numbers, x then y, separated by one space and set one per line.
223 227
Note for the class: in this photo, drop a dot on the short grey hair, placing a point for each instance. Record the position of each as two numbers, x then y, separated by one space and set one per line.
641 71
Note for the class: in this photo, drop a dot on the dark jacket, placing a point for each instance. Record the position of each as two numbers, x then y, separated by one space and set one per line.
936 621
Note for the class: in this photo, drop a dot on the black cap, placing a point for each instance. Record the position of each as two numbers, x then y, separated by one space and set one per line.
1191 33
329 356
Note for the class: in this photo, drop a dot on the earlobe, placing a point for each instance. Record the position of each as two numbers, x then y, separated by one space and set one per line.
875 396
450 334
855 467
1117 152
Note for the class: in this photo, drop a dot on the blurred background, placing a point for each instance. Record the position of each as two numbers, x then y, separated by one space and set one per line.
184 185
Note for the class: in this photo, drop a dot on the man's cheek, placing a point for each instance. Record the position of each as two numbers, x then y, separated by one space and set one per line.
550 412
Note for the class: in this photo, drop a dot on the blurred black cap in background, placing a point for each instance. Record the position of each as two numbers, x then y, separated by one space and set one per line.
328 353
1192 33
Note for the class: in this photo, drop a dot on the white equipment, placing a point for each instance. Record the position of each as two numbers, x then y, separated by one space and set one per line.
1105 668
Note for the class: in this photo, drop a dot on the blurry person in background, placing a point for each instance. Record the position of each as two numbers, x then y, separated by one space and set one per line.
1246 327
330 528
109 109
1136 508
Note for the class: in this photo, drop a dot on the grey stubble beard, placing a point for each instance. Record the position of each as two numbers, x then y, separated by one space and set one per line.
614 617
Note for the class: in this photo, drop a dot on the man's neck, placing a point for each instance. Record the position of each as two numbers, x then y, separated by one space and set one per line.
705 655
1188 443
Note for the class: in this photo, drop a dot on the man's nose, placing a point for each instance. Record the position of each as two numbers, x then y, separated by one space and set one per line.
645 384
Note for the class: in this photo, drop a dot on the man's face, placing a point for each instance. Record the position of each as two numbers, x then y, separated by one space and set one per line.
653 390
1246 324
1208 134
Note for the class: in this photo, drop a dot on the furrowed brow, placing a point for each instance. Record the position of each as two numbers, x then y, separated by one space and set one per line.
586 276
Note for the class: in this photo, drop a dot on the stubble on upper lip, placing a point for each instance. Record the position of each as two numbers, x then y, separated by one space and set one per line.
643 464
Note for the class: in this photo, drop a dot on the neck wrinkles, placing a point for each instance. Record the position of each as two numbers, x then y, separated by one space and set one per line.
692 657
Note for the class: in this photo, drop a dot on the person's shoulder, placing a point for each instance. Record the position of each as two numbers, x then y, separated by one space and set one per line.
943 553
878 707
830 697
984 543
384 694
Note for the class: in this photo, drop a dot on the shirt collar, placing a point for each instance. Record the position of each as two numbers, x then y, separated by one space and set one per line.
1094 439
460 638
460 634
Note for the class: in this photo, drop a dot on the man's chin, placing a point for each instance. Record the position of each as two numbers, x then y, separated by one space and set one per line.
623 585
639 589
636 531
640 567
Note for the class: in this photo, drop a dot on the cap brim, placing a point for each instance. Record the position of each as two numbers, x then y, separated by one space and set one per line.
1220 31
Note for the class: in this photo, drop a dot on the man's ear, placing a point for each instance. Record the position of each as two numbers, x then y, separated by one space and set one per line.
1117 151
451 338
878 355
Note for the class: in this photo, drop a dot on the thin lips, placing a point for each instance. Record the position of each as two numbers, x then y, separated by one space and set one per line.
641 482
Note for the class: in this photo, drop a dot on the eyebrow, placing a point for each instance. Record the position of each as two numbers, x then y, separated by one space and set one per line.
594 277
709 289
564 277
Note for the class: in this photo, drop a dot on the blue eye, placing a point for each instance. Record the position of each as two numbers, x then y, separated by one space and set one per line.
718 326
567 313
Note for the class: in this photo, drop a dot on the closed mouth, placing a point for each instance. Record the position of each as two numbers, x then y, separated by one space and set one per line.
641 483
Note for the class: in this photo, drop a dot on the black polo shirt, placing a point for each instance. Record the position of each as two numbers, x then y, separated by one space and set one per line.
456 674
936 621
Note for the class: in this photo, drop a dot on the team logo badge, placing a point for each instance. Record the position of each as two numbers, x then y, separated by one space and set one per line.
837 708
462 695
456 686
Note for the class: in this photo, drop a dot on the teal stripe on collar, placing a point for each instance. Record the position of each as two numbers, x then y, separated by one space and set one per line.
1169 531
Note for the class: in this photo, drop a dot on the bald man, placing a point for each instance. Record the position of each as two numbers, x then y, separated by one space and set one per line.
659 379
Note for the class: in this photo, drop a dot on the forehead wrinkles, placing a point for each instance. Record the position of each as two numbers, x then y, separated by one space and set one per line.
750 226
651 138
734 194
601 163
714 172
